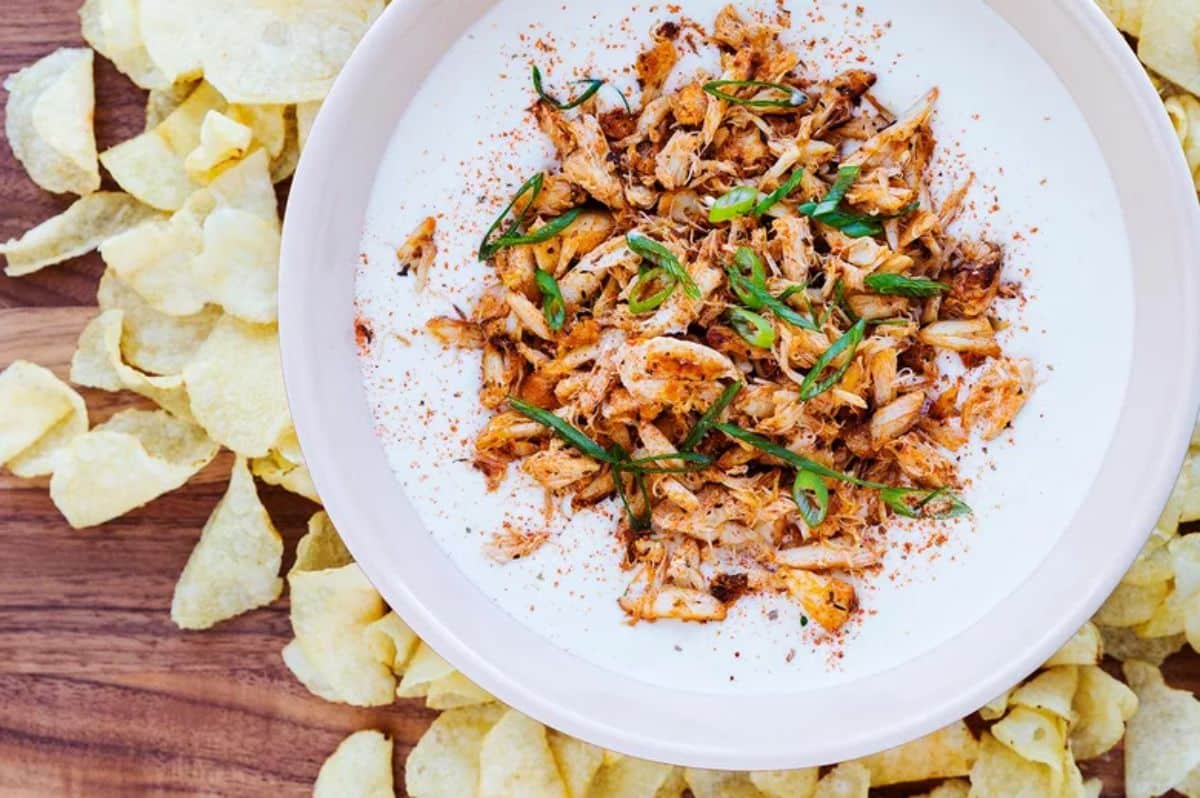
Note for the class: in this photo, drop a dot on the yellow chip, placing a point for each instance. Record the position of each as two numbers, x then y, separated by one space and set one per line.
307 674
951 789
113 29
39 416
321 547
361 767
786 783
235 565
995 708
577 762
1000 773
1124 644
151 340
1084 648
720 784
132 458
428 675
1036 737
239 265
306 115
263 53
1051 691
847 780
284 164
515 759
1102 706
1125 14
151 166
97 364
222 141
1168 42
268 124
629 777
1162 743
161 103
49 121
79 229
1189 787
331 610
947 752
1153 564
1185 564
155 259
277 470
392 641
235 382
445 761
1130 605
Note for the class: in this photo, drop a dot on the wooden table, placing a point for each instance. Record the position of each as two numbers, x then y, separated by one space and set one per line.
100 695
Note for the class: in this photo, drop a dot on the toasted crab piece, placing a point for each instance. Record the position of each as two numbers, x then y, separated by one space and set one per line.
558 468
644 601
558 195
795 240
826 556
896 134
512 544
962 335
585 153
455 332
589 230
882 366
975 282
668 370
828 600
651 123
1003 387
586 278
656 443
896 418
529 315
416 255
501 372
598 382
921 460
683 566
689 104
654 66
676 162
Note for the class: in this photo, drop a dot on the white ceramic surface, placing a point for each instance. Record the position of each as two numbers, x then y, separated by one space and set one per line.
1050 95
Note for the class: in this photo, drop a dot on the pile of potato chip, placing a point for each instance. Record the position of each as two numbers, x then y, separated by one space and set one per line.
186 319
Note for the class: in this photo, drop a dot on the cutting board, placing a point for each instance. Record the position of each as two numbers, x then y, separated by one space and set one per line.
100 695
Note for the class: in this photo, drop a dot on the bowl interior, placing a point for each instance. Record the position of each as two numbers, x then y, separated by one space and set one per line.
437 127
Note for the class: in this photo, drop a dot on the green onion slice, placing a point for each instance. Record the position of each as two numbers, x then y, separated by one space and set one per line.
544 233
593 86
792 97
790 457
554 308
662 257
757 297
855 225
899 285
620 466
811 497
534 184
710 417
640 298
575 437
813 385
845 179
736 202
691 462
753 328
937 505
776 196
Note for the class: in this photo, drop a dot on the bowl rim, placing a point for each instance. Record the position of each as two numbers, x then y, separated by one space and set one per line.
348 467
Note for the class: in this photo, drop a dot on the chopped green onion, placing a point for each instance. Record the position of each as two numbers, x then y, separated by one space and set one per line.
624 99
570 434
534 184
776 196
736 202
839 299
594 85
855 225
747 260
662 257
845 179
813 385
640 301
811 497
710 416
899 285
544 233
692 462
554 308
792 97
790 457
753 328
757 297
897 500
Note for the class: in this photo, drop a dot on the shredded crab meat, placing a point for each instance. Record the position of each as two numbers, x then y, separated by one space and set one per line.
837 371
416 255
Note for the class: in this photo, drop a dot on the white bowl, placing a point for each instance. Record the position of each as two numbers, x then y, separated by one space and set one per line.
1088 158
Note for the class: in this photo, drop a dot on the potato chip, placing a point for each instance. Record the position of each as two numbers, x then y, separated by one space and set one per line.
1169 618
306 115
32 401
1185 564
1124 644
1162 743
995 708
235 565
455 690
160 103
1130 605
430 676
1035 736
515 759
113 29
1153 564
1102 705
151 166
235 382
321 547
1084 648
361 767
49 121
79 229
392 641
1167 42
1190 787
720 784
277 470
1000 773
239 265
151 340
950 789
268 124
1051 691
577 761
257 53
331 610
40 459
222 141
1125 14
445 761
284 164
97 364
847 780
155 259
630 777
307 674
786 783
134 457
947 752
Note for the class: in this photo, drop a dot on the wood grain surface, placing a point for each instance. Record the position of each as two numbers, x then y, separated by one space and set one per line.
100 695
